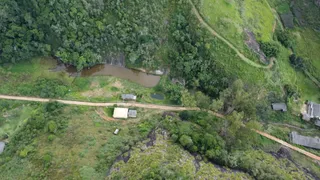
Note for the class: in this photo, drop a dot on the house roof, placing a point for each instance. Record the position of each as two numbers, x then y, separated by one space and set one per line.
129 96
279 106
313 110
120 113
317 123
132 113
312 142
2 145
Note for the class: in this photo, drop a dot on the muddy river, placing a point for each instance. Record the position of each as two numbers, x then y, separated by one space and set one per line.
144 79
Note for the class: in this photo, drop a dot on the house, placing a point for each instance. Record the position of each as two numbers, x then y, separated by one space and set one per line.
2 145
132 113
116 132
279 107
129 97
287 20
311 142
317 123
312 111
120 113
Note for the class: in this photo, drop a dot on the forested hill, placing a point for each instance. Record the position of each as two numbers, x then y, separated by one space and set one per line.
82 33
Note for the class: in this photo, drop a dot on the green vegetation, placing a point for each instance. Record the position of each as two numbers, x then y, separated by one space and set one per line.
270 49
53 141
230 18
53 133
167 160
228 143
83 34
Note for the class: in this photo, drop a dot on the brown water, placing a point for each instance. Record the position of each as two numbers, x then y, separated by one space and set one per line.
141 78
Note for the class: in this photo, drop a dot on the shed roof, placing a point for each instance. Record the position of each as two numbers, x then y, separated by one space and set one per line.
120 113
279 106
312 142
2 145
313 110
132 113
317 123
128 97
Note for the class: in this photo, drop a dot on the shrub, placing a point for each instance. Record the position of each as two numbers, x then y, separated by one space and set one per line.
186 141
47 158
285 39
114 89
51 137
52 127
297 62
50 88
271 49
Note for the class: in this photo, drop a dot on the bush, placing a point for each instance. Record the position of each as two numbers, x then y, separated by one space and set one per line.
51 137
284 38
297 62
186 141
52 127
114 89
50 88
271 49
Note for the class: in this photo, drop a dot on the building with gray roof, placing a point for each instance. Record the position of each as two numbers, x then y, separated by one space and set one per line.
279 107
311 142
129 97
132 113
312 111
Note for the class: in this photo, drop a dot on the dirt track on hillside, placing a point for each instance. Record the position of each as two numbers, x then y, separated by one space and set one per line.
214 33
153 106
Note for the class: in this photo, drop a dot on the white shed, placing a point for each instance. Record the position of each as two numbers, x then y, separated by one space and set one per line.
120 113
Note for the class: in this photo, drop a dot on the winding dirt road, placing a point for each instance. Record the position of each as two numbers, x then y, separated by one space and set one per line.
214 33
153 106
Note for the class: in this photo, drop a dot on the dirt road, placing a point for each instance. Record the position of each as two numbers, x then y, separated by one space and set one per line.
152 106
214 33
80 103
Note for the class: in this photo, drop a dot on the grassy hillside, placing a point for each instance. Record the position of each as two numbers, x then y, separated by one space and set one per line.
230 18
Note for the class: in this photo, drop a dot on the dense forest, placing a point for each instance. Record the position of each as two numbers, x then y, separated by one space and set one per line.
81 33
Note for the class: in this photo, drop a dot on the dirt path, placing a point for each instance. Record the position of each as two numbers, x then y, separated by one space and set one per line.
151 106
214 33
80 103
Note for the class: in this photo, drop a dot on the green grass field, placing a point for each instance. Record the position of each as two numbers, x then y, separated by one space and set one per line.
308 47
231 17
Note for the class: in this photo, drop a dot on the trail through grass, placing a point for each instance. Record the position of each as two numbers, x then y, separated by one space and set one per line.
214 33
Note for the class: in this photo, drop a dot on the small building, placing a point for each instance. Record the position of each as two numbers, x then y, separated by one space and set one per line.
129 97
116 132
279 107
311 142
317 123
2 145
120 113
132 113
312 111
287 20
